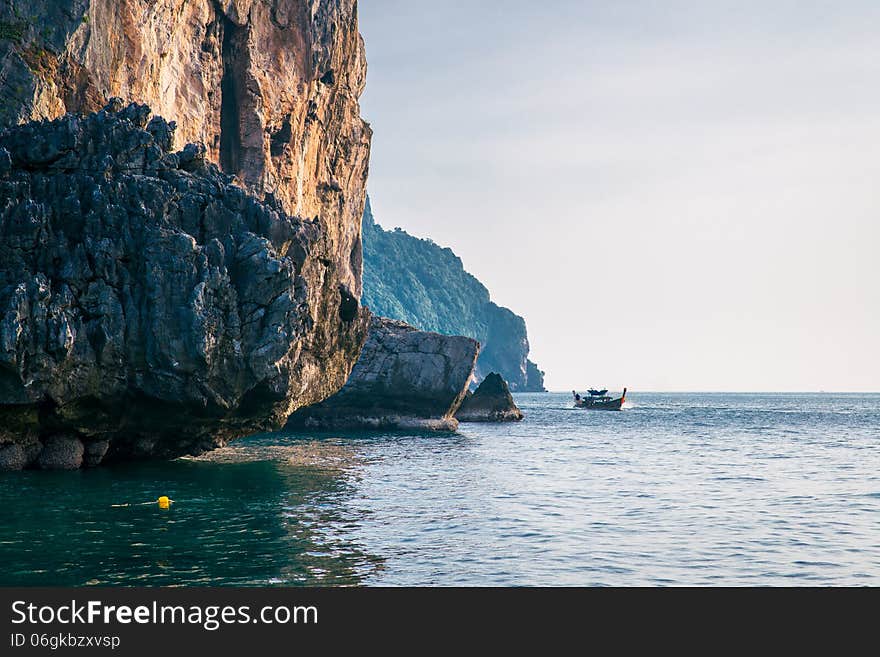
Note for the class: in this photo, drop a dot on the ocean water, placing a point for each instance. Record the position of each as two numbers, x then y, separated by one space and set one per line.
679 489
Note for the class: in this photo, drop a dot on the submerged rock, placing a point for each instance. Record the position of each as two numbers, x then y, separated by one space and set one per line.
404 379
491 402
148 306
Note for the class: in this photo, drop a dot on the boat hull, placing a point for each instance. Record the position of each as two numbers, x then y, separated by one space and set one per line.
612 405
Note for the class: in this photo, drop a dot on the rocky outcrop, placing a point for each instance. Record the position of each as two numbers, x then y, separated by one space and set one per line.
534 378
404 379
265 89
491 402
149 306
418 282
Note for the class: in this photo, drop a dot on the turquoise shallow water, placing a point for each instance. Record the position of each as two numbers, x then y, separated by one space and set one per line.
732 489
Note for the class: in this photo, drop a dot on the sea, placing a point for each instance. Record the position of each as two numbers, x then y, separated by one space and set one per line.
677 489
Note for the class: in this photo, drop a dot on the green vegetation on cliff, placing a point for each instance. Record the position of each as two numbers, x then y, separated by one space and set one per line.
416 281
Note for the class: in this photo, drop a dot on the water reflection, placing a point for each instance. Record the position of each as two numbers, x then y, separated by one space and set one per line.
247 521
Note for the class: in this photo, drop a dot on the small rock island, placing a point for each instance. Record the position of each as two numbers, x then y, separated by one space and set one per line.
491 402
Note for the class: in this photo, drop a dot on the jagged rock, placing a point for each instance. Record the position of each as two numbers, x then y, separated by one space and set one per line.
61 453
491 402
404 379
147 301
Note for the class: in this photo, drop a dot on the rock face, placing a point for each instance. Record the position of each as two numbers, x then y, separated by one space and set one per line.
418 282
148 306
142 275
61 453
405 379
270 87
491 402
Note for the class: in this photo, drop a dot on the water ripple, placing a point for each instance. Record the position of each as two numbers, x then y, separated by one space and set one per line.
684 489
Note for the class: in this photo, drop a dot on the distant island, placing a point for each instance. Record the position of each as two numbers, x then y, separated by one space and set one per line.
423 284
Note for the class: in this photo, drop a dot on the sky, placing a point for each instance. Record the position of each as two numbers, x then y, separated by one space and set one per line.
675 195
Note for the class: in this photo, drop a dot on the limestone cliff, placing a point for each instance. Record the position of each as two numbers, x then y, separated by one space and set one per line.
146 302
405 379
270 87
107 258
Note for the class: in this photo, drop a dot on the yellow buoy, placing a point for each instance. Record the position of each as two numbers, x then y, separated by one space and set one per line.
164 502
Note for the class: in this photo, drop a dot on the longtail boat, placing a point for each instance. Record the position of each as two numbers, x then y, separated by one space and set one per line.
598 400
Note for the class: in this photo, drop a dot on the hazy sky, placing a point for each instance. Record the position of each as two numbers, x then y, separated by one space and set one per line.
675 195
